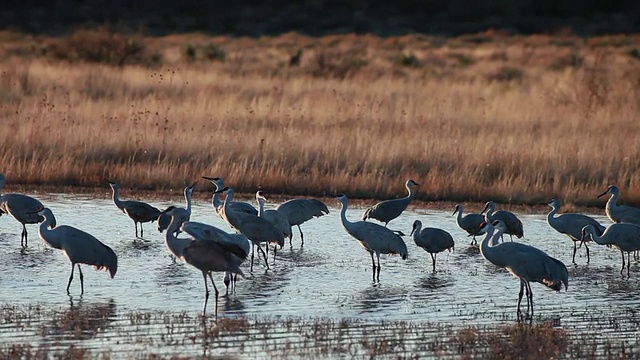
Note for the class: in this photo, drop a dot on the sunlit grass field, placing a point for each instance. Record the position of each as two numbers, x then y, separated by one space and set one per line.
516 119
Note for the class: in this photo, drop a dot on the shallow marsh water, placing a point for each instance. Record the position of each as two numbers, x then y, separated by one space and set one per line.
153 305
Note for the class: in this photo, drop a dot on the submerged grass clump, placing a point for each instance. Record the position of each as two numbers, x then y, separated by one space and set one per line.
98 331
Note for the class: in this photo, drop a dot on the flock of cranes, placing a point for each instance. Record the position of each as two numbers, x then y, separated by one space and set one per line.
211 249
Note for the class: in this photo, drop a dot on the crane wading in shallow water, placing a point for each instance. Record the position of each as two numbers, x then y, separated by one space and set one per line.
571 225
275 217
511 222
432 240
79 246
184 215
388 210
299 211
626 237
469 223
373 237
138 211
22 208
525 262
217 204
210 249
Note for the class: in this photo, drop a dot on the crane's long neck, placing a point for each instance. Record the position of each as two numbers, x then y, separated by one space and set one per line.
591 231
489 214
552 214
116 197
175 245
410 190
485 247
613 200
187 198
459 217
416 231
215 199
49 235
343 214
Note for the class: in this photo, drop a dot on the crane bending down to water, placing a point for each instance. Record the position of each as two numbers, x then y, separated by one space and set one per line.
258 230
138 211
469 223
299 211
217 204
79 246
388 210
571 225
626 237
183 215
511 222
525 262
275 217
373 237
432 240
23 208
620 213
209 249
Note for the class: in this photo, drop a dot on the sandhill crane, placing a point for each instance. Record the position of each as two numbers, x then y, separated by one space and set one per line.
469 223
571 225
388 210
512 223
258 230
373 237
432 240
22 208
138 211
209 249
235 206
79 246
183 215
298 211
620 213
525 262
274 216
626 237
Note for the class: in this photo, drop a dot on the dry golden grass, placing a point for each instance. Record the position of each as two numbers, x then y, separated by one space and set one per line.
486 116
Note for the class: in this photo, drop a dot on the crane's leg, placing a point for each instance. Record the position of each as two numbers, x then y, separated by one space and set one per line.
264 255
518 312
621 270
373 267
227 282
530 294
206 293
215 291
378 255
81 280
70 278
433 259
575 248
136 225
141 231
628 262
301 235
275 249
588 256
253 247
24 235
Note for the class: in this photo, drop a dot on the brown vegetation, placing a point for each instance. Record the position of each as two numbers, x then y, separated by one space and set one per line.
486 116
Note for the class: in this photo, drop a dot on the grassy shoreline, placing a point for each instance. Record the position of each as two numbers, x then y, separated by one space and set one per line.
514 119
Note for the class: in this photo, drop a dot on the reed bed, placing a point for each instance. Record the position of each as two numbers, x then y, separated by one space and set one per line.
486 116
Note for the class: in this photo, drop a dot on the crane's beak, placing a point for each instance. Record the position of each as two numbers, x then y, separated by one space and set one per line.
194 184
209 178
604 193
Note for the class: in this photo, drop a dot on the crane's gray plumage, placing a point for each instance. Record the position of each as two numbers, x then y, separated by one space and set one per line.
258 230
138 211
217 204
388 210
469 223
183 214
525 262
624 236
79 246
512 223
373 237
432 240
23 208
209 249
571 225
275 217
299 211
620 213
